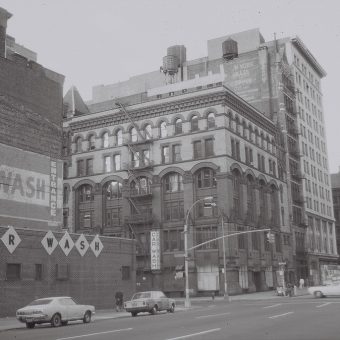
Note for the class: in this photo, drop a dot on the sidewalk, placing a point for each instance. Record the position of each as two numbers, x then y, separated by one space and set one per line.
11 322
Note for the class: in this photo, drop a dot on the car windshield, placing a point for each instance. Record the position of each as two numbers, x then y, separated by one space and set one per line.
143 295
40 302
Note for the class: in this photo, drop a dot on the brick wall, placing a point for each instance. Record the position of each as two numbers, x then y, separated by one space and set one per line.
91 280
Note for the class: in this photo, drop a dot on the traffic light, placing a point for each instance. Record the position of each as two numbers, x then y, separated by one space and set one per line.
270 237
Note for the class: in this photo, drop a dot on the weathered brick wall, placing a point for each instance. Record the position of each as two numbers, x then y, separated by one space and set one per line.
92 280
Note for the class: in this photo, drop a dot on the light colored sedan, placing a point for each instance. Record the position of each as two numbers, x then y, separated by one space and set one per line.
55 310
326 290
151 302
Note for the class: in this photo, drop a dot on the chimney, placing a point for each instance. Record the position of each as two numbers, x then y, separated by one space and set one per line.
4 16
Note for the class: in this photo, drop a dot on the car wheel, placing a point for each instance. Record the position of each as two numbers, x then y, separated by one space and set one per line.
153 310
134 313
318 294
30 324
87 317
64 323
172 309
56 320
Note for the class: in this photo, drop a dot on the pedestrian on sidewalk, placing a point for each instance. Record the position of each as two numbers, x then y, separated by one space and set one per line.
301 283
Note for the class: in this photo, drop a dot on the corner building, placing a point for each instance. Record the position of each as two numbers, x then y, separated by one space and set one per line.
137 164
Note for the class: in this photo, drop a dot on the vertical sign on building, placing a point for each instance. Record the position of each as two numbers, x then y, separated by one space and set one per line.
155 248
53 189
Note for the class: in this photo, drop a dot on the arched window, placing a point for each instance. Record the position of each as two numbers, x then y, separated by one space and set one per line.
194 123
274 206
237 123
163 131
105 139
237 194
119 137
141 186
173 182
65 195
262 203
133 135
250 199
92 142
148 131
113 190
78 144
178 126
85 193
211 120
205 178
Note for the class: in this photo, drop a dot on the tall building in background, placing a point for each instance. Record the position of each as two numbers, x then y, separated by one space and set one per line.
31 98
335 180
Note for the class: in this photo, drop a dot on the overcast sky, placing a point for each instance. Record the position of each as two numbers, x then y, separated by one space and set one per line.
95 42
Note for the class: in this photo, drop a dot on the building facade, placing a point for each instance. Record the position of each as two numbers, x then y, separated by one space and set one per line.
142 166
335 180
282 79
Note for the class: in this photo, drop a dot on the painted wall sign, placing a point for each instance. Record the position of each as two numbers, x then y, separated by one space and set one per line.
11 239
82 245
66 243
96 246
155 250
49 242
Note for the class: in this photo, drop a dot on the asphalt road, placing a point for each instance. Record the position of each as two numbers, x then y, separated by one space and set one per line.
277 319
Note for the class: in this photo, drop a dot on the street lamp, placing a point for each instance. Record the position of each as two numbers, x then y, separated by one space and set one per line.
187 302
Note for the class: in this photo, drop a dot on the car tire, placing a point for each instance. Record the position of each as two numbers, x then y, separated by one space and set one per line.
134 314
153 310
64 323
172 309
56 320
318 294
87 317
30 324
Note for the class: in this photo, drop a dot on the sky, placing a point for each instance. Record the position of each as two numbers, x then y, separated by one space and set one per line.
94 42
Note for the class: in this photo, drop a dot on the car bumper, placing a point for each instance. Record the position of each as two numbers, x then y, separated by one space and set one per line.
137 309
33 318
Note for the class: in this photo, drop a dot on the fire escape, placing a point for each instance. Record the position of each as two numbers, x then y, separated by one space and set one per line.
139 194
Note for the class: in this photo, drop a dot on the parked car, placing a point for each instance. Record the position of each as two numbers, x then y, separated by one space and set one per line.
325 290
55 310
151 302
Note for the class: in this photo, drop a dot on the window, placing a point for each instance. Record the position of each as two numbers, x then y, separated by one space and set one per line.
176 153
256 241
133 135
211 120
107 164
92 142
119 137
125 273
204 234
85 193
163 131
80 167
241 239
173 240
146 157
178 126
209 147
135 159
173 210
89 166
278 243
38 272
148 131
173 182
205 178
78 144
194 123
65 219
197 149
165 155
13 271
105 139
86 219
237 194
113 190
116 162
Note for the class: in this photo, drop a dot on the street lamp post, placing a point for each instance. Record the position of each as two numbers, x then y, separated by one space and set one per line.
187 302
226 296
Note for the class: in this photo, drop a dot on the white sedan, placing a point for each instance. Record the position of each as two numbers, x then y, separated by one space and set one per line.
55 310
326 290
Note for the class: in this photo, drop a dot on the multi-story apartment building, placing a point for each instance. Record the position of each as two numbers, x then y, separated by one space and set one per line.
268 76
137 164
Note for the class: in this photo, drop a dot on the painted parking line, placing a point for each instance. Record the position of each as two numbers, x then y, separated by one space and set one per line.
272 306
195 334
323 305
94 334
277 316
211 315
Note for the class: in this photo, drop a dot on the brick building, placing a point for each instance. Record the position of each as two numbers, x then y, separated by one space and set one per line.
335 180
